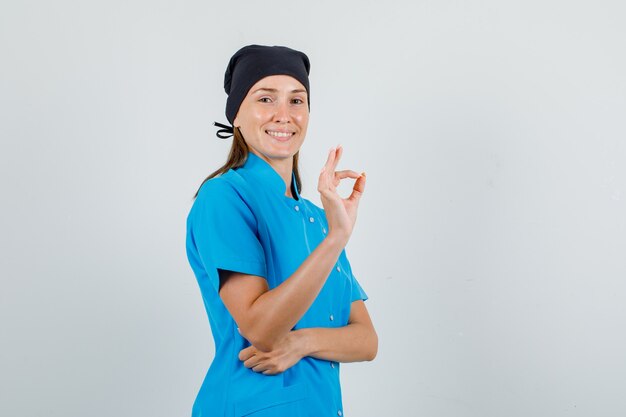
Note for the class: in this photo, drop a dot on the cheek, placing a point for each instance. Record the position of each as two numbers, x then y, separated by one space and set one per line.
261 117
253 115
302 119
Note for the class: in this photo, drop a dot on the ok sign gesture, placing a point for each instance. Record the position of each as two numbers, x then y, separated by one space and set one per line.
341 213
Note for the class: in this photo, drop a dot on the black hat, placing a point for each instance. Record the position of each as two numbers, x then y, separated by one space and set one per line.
254 62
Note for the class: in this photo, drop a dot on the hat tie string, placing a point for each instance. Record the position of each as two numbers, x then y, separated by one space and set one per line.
225 132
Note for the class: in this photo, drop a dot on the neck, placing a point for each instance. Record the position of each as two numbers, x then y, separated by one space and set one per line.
283 166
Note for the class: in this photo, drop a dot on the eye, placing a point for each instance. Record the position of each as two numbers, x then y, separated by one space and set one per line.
264 98
299 101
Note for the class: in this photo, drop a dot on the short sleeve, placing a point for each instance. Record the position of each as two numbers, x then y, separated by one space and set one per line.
222 232
357 291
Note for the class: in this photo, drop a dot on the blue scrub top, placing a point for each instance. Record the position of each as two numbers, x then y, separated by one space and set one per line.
243 221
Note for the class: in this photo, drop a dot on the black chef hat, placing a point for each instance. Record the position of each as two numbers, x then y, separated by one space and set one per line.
254 62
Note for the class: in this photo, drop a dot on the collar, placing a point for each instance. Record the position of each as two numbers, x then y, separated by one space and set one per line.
268 175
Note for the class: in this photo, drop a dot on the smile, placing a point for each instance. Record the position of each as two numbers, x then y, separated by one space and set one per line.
279 135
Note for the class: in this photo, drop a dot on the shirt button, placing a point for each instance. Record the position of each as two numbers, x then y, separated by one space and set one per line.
338 269
332 364
297 208
311 219
323 230
339 413
332 317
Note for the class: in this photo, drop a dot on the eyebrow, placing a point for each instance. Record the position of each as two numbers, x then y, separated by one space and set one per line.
273 90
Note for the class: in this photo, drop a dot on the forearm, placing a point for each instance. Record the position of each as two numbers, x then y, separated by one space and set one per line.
354 342
277 311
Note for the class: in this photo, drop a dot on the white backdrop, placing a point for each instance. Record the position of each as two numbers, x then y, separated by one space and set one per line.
490 239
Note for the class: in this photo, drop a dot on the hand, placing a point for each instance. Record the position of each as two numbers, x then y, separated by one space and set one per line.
340 212
286 354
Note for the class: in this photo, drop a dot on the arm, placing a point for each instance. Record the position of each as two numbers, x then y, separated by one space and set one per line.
265 316
357 341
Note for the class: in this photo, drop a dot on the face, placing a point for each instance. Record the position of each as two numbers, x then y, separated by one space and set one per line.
274 117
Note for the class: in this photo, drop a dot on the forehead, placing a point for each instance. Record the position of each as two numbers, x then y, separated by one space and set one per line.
278 82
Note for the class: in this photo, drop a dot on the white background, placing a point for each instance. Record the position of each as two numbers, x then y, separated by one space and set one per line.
490 239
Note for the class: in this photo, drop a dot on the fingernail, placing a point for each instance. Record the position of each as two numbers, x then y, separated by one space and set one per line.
363 173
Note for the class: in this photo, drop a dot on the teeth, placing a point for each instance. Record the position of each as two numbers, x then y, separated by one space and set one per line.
278 134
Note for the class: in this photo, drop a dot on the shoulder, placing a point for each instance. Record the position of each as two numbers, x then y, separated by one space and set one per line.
216 187
224 191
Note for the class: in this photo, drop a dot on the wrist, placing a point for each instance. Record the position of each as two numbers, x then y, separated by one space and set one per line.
303 342
337 240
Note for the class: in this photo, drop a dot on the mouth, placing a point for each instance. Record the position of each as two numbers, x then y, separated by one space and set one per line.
281 136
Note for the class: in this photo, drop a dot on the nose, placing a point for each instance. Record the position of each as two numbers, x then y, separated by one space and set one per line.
282 112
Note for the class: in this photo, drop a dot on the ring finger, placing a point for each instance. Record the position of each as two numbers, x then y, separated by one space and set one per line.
251 362
260 367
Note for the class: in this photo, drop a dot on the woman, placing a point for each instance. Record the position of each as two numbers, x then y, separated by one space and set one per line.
283 304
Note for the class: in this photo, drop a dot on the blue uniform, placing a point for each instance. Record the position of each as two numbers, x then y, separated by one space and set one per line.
243 221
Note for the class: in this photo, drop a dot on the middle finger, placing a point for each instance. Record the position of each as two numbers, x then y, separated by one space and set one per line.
252 362
338 152
328 170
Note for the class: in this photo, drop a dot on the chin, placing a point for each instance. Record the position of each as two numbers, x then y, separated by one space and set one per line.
283 151
282 155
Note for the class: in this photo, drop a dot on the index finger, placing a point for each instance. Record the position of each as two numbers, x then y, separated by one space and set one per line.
246 353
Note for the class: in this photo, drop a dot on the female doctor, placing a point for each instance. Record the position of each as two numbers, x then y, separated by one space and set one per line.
283 304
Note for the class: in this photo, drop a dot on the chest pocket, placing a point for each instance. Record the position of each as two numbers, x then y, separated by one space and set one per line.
288 401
